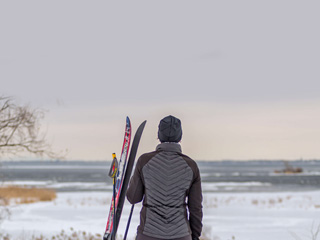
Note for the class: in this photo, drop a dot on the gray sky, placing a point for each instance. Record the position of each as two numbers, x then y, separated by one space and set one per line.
243 76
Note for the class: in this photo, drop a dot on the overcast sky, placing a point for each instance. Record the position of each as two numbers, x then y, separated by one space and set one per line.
243 76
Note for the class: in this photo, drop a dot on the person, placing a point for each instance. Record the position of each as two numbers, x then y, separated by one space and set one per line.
169 184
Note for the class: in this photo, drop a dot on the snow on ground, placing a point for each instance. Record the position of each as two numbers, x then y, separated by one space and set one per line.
263 216
239 216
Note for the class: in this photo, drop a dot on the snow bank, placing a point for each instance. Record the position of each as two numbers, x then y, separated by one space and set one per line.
244 216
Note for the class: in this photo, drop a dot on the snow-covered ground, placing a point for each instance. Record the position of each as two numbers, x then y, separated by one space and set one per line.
227 216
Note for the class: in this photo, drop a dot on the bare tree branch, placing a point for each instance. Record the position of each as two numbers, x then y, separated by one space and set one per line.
20 130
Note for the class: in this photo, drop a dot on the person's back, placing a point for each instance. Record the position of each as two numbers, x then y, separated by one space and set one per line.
166 178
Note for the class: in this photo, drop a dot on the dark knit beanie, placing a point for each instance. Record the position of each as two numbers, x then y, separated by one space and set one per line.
170 129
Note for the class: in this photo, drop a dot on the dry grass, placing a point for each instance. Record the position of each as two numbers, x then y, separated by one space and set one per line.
73 235
63 235
26 195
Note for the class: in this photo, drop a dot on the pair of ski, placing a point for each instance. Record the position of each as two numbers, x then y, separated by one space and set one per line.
122 176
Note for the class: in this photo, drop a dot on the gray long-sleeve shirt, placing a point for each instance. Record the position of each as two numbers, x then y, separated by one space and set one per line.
169 184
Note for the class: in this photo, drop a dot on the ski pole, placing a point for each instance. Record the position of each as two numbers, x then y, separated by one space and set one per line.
113 174
128 224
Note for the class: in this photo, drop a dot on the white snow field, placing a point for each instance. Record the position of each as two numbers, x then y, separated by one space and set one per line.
227 216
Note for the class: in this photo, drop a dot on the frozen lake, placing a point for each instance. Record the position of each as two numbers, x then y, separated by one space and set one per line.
217 176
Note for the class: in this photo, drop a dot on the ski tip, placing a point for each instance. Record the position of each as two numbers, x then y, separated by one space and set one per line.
128 123
143 124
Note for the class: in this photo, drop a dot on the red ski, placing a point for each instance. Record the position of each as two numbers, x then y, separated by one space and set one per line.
119 179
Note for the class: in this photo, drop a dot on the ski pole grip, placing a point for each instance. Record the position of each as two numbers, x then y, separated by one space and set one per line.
114 166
